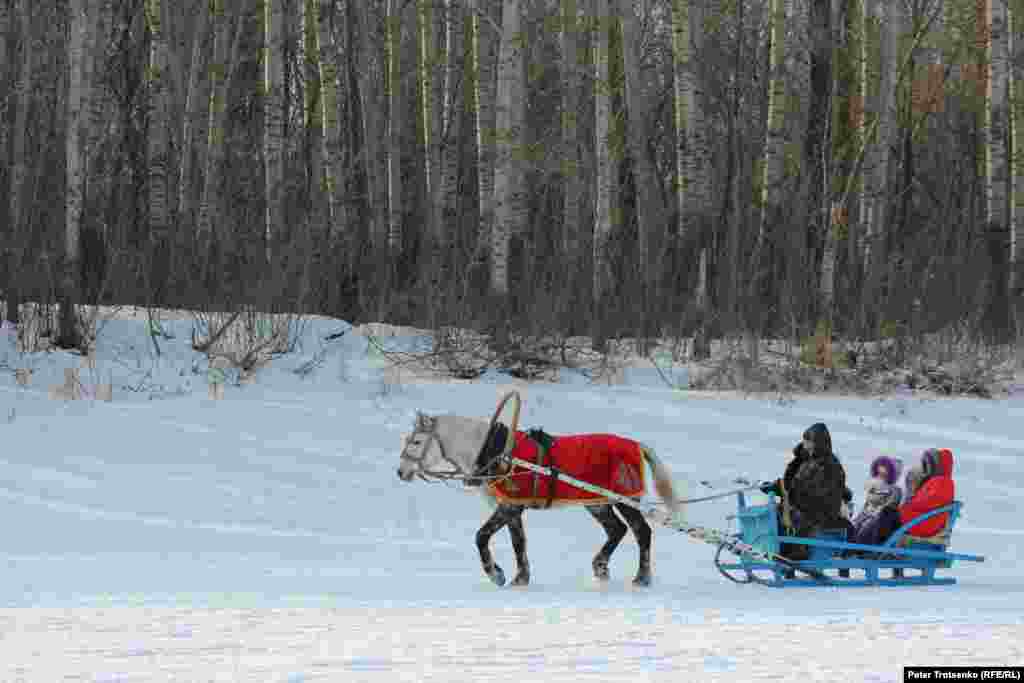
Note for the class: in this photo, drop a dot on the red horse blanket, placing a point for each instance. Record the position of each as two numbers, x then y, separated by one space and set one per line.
605 460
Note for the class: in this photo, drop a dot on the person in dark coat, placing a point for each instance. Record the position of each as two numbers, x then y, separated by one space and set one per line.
812 488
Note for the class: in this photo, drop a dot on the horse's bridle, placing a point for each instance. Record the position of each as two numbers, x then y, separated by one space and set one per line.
427 426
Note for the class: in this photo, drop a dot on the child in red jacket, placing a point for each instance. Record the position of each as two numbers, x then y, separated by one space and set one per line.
936 490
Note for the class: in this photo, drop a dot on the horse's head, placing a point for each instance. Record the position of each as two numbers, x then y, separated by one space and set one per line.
442 447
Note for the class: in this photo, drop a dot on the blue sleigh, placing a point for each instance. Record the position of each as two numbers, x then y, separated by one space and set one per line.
902 560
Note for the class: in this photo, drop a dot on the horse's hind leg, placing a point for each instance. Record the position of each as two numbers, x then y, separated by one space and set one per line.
518 534
500 518
615 529
642 531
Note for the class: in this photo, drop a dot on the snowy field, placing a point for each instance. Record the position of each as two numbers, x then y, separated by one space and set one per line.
265 537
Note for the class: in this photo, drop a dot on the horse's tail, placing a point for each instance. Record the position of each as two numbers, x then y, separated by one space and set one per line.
662 478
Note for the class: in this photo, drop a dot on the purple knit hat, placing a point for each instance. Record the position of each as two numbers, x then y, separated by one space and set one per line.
893 465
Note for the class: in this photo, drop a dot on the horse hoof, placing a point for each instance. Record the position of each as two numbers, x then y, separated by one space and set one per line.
642 581
521 580
601 571
497 576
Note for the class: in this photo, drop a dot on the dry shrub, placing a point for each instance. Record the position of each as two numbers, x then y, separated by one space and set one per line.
467 354
247 339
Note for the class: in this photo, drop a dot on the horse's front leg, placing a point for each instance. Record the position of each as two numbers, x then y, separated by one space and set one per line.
483 542
518 534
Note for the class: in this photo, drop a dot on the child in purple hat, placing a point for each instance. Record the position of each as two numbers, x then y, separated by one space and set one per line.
880 516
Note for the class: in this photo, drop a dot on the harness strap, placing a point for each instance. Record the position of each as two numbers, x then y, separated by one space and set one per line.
551 485
544 442
542 456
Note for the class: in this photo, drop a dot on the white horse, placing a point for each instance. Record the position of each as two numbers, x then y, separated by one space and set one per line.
468 450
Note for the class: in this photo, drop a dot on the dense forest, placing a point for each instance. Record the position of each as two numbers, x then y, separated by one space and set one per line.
699 169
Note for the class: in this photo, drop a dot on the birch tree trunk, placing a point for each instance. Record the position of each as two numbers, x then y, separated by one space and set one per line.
424 55
452 126
70 335
891 24
19 162
648 215
327 111
857 13
273 121
484 65
158 112
330 78
316 126
371 119
693 173
602 121
393 46
507 173
997 89
832 45
774 167
216 112
774 148
101 115
7 232
571 166
193 104
5 31
1015 27
429 125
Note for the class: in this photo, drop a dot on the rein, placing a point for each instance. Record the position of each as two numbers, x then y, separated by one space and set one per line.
427 427
456 473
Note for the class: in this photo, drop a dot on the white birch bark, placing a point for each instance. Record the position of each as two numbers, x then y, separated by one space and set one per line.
891 20
452 126
20 94
637 102
158 111
216 110
77 96
193 104
393 46
483 54
996 110
507 181
571 166
5 97
1015 25
333 59
774 148
273 120
327 111
603 190
1015 96
369 73
317 94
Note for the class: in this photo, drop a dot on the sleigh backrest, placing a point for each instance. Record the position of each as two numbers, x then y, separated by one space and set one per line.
759 524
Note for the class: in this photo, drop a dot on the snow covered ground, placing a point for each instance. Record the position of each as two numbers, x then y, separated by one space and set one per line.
265 537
